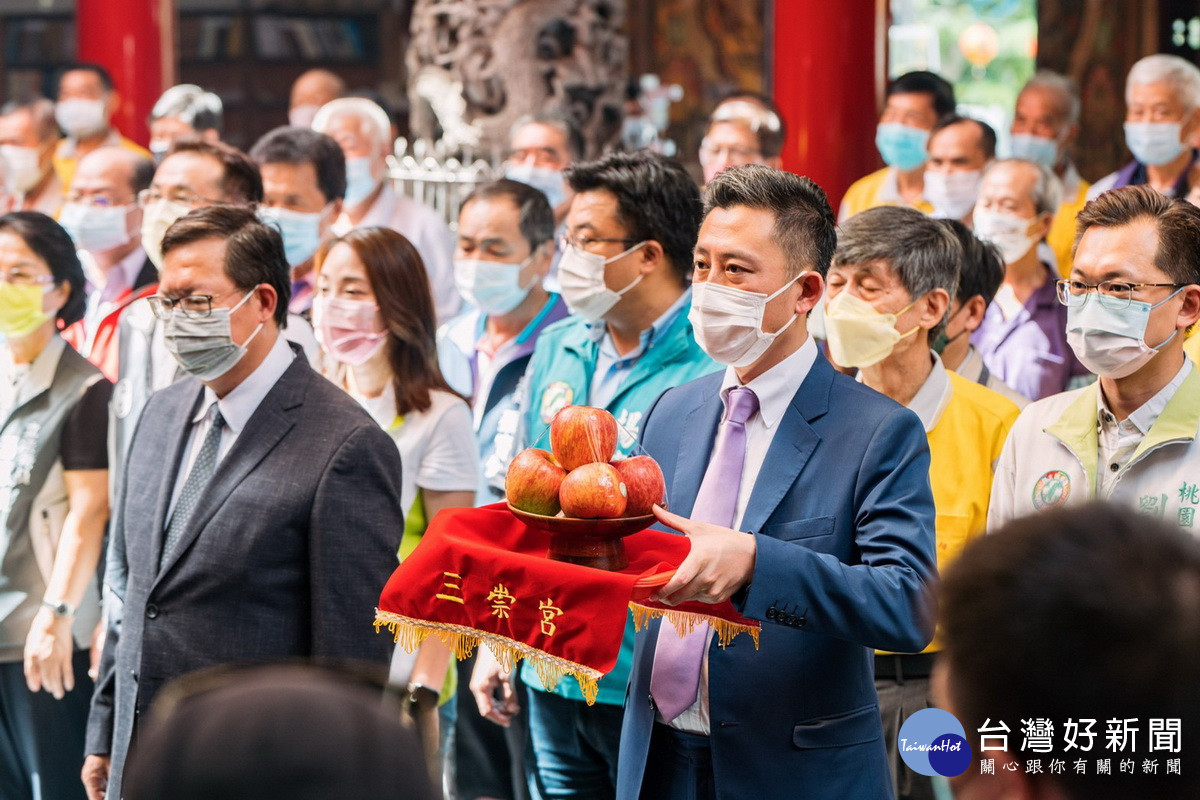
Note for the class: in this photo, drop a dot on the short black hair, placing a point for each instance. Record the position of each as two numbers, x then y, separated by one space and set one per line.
54 245
253 251
100 72
143 174
805 228
1176 222
922 82
656 199
1085 613
987 134
536 216
241 181
981 267
291 145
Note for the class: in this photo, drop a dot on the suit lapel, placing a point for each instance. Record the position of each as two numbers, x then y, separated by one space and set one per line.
791 447
269 423
693 456
181 409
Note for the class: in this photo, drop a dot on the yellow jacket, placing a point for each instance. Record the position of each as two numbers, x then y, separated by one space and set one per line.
1061 237
964 446
877 189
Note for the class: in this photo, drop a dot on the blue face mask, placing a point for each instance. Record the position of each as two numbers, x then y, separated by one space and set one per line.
547 181
902 146
1154 143
1037 149
301 232
359 180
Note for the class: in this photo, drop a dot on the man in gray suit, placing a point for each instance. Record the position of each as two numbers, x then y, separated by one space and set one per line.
260 513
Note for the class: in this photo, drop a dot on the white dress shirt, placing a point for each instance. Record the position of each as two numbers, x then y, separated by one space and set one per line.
236 408
775 389
425 228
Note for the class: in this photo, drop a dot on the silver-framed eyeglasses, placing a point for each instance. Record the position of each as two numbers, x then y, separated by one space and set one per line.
195 306
20 277
147 197
1114 295
581 242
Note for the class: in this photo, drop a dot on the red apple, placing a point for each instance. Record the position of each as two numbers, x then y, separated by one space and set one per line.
644 484
583 435
593 491
533 480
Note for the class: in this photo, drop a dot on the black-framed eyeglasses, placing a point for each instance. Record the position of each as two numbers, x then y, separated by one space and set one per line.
194 306
585 242
1114 295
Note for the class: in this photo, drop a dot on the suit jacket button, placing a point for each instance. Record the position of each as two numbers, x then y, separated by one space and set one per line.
771 612
800 623
650 700
152 611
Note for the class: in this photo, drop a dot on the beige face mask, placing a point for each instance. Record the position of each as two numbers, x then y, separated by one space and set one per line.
858 334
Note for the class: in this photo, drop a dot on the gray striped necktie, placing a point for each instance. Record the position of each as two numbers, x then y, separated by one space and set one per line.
197 481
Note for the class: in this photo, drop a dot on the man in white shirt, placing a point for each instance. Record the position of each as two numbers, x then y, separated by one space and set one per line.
363 131
1130 437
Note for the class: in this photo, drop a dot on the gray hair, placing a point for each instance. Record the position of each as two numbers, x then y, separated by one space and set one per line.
1061 85
1047 189
922 253
371 116
192 105
1182 75
40 110
560 122
805 228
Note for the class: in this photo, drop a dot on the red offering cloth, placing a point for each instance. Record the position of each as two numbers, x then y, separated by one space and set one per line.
480 574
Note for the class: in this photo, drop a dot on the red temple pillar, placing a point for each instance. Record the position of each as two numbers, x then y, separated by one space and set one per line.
829 73
134 41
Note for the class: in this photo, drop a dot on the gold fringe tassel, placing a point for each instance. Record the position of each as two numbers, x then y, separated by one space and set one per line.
462 641
685 622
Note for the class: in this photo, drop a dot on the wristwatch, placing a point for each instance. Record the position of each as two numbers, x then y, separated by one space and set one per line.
421 697
60 609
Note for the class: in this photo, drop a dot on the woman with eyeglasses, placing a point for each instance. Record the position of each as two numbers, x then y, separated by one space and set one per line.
374 317
54 501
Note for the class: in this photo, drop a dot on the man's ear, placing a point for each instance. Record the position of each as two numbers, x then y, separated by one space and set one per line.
652 257
936 302
975 310
812 288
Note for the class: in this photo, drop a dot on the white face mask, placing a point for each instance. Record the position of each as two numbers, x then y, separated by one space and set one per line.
24 166
1007 231
302 116
727 322
80 117
156 218
581 275
1112 342
96 228
494 287
858 334
952 194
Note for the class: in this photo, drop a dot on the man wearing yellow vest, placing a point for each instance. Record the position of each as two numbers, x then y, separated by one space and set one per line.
1044 126
915 102
87 100
888 291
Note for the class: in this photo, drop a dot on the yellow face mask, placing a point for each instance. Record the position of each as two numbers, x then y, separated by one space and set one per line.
859 335
21 309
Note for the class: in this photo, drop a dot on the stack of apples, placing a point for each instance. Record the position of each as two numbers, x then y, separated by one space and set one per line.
580 478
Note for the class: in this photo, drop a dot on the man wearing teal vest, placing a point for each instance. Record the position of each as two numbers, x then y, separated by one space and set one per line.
625 268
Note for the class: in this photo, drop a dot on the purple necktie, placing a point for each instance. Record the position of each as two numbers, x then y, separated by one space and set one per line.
675 679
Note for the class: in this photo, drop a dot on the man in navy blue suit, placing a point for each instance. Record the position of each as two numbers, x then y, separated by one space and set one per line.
806 499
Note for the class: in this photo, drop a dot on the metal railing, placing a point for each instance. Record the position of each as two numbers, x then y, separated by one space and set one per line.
424 172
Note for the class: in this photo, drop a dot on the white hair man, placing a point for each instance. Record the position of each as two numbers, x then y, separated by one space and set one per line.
1045 125
364 132
1162 98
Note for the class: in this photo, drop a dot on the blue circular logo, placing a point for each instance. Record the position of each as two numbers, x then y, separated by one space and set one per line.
932 742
